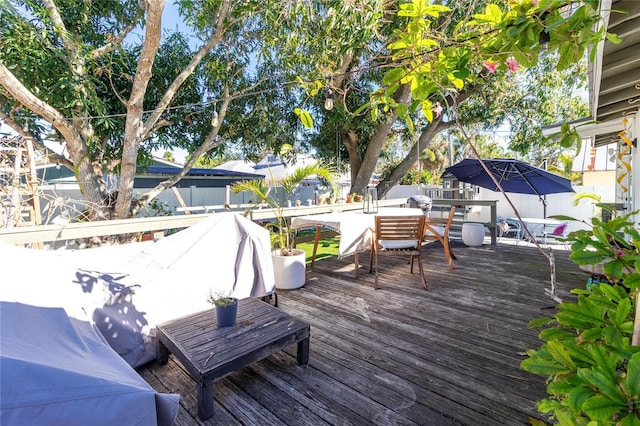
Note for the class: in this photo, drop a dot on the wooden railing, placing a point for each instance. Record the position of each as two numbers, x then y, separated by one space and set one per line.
71 231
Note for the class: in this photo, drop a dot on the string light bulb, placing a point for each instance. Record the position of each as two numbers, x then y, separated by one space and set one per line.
328 103
215 122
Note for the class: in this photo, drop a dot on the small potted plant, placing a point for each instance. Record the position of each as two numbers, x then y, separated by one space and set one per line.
358 198
226 309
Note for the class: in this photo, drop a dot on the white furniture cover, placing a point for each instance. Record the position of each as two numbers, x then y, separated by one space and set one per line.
56 370
127 289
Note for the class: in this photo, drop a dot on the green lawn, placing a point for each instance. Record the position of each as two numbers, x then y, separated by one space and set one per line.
327 247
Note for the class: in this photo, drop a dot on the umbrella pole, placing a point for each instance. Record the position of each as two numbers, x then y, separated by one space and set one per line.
552 262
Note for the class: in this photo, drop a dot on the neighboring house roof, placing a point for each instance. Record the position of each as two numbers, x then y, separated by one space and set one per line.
169 170
237 166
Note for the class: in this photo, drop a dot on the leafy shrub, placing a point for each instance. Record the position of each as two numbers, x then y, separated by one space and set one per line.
592 368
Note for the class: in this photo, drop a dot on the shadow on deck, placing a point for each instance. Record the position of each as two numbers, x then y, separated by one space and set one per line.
399 354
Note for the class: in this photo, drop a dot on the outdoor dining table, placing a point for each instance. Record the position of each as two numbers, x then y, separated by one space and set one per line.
356 228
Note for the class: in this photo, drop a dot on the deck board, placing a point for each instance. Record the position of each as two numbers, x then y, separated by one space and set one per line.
400 354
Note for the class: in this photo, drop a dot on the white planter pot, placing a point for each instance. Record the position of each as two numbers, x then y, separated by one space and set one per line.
289 270
472 234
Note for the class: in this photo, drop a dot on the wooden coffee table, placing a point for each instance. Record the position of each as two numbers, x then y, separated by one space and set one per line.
209 353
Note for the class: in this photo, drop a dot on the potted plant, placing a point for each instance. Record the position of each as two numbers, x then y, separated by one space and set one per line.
288 263
226 309
358 198
349 198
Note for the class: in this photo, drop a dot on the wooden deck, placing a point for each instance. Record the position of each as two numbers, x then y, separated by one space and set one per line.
399 354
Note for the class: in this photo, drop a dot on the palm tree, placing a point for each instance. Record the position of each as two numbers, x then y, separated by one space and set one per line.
266 195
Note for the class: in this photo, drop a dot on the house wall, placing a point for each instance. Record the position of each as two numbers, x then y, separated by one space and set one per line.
599 177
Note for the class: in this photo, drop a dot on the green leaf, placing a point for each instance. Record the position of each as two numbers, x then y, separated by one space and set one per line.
632 281
540 322
613 270
581 316
622 312
538 365
601 408
426 42
305 118
613 38
559 353
462 73
556 333
612 336
393 76
409 122
285 149
630 420
577 396
398 45
604 385
632 381
586 257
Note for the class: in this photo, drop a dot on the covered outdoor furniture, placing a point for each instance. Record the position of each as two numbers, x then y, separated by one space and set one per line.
422 202
127 289
398 236
57 370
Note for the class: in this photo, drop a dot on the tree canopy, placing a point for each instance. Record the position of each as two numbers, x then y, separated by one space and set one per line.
73 72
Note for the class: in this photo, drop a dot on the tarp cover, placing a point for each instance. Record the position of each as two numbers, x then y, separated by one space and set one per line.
127 289
56 370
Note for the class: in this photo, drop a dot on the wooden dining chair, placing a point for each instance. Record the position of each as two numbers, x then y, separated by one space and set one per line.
398 236
437 229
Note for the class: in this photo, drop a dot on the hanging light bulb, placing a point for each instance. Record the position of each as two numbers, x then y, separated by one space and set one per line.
215 122
328 103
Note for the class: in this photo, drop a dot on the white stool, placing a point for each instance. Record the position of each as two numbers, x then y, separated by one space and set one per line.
472 234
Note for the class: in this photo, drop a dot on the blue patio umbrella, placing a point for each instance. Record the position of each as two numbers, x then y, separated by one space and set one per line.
513 175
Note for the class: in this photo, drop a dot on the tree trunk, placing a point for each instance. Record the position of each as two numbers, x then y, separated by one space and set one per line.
402 95
350 141
134 127
424 141
91 183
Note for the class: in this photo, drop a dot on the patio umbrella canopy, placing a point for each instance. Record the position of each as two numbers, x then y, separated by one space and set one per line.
513 175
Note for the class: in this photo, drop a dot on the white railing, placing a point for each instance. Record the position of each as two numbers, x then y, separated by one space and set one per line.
71 231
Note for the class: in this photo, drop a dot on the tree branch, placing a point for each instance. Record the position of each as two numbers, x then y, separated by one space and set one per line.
114 41
33 103
68 43
215 39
